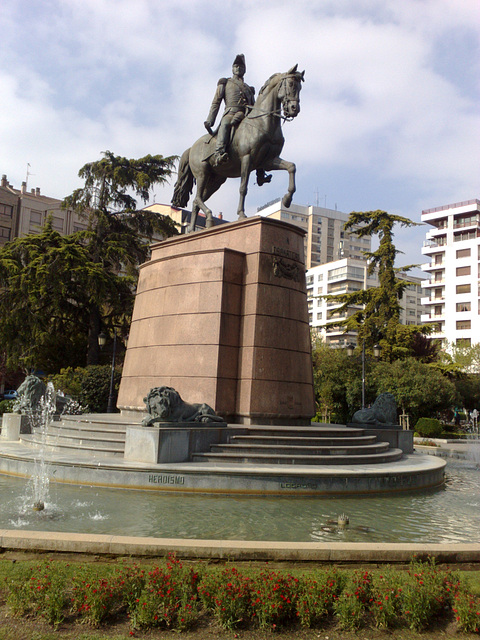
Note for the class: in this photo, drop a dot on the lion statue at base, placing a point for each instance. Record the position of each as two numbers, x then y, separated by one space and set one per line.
382 413
164 404
30 392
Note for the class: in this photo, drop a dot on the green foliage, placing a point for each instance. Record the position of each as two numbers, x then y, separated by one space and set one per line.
338 382
173 595
6 406
90 386
418 388
378 319
58 292
429 427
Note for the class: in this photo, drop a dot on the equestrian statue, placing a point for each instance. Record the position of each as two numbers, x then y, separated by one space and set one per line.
249 138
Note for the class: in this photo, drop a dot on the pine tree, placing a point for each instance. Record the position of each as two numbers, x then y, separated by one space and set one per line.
377 318
118 234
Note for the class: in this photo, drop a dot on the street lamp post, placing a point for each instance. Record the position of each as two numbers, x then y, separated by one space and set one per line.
376 353
102 339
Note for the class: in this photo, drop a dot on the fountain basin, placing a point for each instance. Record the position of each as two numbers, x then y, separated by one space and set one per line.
412 472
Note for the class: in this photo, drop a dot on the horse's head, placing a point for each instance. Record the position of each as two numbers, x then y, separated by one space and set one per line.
289 91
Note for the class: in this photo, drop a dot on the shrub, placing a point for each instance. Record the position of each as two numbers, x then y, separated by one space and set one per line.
429 427
466 608
317 593
350 607
385 603
169 598
426 592
6 406
90 386
273 599
227 593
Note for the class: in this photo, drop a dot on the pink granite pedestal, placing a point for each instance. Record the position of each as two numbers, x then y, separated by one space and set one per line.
221 316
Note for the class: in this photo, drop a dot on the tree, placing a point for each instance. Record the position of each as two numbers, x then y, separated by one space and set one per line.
377 321
48 284
337 380
118 234
419 389
58 292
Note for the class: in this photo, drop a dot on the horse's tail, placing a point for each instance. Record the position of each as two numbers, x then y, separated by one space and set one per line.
184 184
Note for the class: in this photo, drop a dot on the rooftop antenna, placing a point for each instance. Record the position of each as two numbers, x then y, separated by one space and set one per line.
28 174
317 198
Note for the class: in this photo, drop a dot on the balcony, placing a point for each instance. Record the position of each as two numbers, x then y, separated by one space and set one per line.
432 283
428 300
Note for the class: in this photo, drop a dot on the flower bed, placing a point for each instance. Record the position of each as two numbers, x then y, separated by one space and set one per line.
173 595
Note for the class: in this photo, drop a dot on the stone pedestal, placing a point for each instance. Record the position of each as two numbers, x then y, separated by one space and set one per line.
13 424
172 443
221 316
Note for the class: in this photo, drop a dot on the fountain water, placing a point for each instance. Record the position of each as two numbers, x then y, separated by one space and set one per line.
40 421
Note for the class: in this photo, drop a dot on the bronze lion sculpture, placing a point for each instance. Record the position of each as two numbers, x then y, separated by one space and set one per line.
382 413
30 393
164 404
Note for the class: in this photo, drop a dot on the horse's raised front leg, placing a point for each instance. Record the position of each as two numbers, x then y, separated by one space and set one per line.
280 163
245 174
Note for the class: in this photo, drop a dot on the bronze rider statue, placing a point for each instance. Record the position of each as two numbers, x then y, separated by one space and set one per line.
238 97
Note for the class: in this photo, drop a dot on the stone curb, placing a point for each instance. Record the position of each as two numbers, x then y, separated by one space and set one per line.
95 544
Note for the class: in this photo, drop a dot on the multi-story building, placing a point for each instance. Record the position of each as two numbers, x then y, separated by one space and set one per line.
325 239
453 287
23 212
346 276
182 216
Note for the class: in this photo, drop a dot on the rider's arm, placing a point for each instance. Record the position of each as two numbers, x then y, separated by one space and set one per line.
217 101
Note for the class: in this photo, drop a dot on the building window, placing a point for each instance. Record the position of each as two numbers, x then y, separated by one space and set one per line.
309 279
463 271
464 235
57 223
319 315
35 217
464 325
6 210
5 233
464 342
463 288
463 306
463 253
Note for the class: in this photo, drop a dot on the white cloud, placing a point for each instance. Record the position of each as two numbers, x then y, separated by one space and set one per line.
382 98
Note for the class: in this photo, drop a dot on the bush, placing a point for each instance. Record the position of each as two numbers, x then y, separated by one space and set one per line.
6 406
429 427
90 386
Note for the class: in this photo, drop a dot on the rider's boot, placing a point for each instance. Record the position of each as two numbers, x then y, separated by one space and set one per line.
263 178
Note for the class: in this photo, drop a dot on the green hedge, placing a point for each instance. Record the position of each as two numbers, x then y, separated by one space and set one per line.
6 406
429 427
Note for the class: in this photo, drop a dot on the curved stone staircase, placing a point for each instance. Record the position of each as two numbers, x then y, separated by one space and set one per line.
95 435
100 435
314 445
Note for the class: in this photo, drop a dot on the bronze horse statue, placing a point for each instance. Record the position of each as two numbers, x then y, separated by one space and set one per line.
257 143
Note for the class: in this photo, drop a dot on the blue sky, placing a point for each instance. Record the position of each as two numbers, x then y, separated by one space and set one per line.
389 109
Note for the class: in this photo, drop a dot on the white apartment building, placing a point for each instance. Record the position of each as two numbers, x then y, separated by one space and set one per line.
325 238
345 276
453 288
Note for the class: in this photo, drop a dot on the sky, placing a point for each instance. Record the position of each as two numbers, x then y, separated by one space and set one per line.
389 108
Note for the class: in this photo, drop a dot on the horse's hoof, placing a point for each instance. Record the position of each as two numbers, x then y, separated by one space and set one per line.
287 201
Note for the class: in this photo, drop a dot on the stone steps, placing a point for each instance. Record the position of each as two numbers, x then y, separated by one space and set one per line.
391 455
314 445
97 436
314 450
294 440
